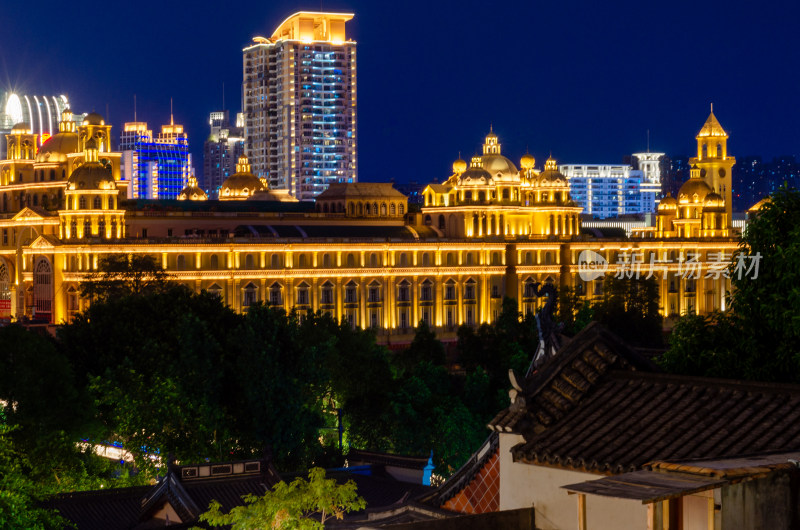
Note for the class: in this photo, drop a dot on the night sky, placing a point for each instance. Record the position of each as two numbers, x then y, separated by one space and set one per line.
583 79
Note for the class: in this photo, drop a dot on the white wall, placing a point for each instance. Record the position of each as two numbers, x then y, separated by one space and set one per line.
525 485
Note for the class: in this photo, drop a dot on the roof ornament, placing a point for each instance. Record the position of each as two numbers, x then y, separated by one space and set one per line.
549 343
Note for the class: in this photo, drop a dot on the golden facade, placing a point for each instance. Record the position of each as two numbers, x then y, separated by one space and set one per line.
490 230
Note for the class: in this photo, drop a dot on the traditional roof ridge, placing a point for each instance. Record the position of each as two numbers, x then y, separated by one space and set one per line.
712 127
555 389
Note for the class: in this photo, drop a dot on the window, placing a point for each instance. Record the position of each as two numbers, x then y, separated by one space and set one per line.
87 228
470 317
450 290
275 294
215 290
181 263
327 293
101 227
96 203
450 320
249 262
82 203
250 295
374 293
426 317
469 290
403 294
213 262
403 319
350 293
495 291
426 293
302 294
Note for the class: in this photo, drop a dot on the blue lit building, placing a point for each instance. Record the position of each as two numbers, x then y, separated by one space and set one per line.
156 167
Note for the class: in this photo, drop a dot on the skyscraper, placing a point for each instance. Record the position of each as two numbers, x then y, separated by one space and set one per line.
157 168
222 149
299 103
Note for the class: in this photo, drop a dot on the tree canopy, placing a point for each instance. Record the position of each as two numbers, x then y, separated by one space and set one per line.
757 338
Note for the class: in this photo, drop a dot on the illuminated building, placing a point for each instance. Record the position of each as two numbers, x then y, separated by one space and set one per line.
487 231
299 103
156 167
40 113
222 149
610 190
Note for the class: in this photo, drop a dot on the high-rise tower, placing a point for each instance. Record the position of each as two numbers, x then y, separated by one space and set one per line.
713 160
299 103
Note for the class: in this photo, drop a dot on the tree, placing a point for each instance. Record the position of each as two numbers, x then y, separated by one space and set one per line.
629 308
154 364
302 505
757 338
19 495
121 275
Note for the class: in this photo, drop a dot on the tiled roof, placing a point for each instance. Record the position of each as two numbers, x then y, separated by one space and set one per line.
466 476
631 418
558 386
361 190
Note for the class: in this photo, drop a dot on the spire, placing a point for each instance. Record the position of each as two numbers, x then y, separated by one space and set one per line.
171 120
712 126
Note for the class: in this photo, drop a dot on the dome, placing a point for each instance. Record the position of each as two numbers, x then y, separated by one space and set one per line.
459 166
93 118
759 205
57 146
21 128
527 161
91 176
667 203
241 184
713 200
552 177
192 192
272 195
693 187
474 175
494 164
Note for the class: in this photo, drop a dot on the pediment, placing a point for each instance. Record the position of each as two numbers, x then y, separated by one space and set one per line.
29 214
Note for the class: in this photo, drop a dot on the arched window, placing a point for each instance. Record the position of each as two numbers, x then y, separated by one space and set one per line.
373 260
468 258
351 260
275 261
42 290
374 208
450 260
113 227
360 210
52 174
97 203
392 210
326 261
82 203
441 222
249 262
428 220
352 209
401 209
403 259
301 261
101 227
36 200
213 262
87 228
383 209
528 258
181 262
367 209
426 259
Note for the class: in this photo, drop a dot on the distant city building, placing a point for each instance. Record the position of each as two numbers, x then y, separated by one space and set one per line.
157 168
754 179
41 113
222 149
299 102
605 190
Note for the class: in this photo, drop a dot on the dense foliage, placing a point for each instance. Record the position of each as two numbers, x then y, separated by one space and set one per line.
299 505
757 339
